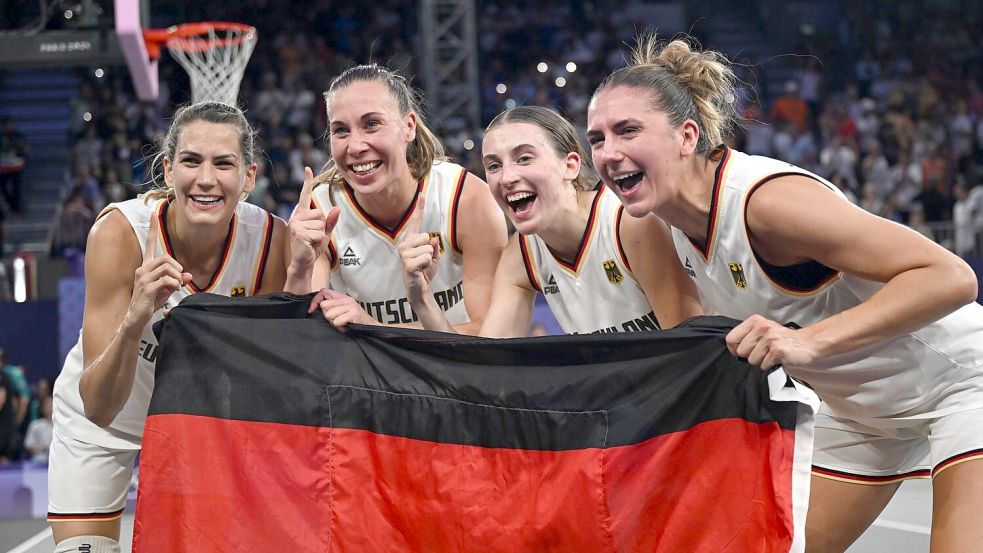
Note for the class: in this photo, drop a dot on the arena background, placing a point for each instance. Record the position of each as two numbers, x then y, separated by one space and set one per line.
882 98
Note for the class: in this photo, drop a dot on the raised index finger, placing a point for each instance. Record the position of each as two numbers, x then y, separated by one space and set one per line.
304 202
150 249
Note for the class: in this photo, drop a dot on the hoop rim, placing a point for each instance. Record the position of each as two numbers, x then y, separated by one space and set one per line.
157 38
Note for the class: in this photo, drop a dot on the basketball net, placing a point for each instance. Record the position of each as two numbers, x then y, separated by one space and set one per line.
215 56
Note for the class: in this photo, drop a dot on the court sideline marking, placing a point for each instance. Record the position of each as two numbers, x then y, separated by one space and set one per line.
32 541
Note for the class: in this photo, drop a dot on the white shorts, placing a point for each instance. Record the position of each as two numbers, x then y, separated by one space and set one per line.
914 448
85 481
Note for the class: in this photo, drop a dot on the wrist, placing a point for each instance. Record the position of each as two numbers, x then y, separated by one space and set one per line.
132 325
298 279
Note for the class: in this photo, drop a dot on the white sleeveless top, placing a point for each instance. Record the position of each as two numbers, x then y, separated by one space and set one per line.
598 292
240 274
365 263
900 378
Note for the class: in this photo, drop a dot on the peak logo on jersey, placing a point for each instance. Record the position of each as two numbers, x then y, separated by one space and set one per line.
689 268
440 240
551 287
737 271
238 292
349 258
613 272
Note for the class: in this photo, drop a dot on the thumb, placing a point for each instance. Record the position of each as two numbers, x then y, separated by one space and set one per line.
435 244
416 218
331 219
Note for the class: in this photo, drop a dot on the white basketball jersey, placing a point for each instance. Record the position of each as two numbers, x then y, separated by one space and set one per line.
239 274
365 263
598 292
899 378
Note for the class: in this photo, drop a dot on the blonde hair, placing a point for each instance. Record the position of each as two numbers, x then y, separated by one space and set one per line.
211 112
560 133
685 83
425 148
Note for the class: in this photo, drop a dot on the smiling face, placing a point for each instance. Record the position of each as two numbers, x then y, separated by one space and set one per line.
369 136
635 150
531 182
208 173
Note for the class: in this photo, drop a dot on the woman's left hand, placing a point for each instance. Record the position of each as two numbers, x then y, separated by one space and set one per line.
339 309
765 344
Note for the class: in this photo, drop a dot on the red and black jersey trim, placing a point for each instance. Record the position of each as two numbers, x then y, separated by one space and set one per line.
332 254
527 262
801 278
455 208
723 153
956 459
85 516
428 386
867 479
226 247
267 243
617 237
585 239
390 232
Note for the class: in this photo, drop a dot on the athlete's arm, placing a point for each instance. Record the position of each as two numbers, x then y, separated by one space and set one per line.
510 309
794 219
122 292
310 233
513 297
648 246
275 272
482 235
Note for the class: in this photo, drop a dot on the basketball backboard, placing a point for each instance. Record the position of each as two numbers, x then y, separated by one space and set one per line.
129 33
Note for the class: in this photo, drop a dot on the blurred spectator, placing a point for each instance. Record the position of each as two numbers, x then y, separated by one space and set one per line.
87 152
759 134
840 182
867 69
305 155
839 157
42 389
810 86
876 171
916 221
791 108
77 217
934 205
11 412
21 386
871 200
6 294
13 158
113 190
38 437
963 218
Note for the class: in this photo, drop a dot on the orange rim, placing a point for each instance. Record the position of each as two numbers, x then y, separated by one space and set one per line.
157 38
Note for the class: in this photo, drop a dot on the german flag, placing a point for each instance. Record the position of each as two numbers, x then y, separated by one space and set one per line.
271 431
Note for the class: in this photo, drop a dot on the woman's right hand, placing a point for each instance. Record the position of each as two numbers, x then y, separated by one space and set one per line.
309 229
154 280
420 253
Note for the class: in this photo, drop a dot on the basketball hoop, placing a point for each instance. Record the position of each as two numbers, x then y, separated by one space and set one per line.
214 54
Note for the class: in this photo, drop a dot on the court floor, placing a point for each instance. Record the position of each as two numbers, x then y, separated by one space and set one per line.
902 528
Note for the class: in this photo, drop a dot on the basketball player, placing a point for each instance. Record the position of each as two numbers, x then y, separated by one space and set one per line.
383 159
887 338
599 272
144 256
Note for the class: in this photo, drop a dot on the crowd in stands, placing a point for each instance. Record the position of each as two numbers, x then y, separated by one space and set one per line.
25 415
896 123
